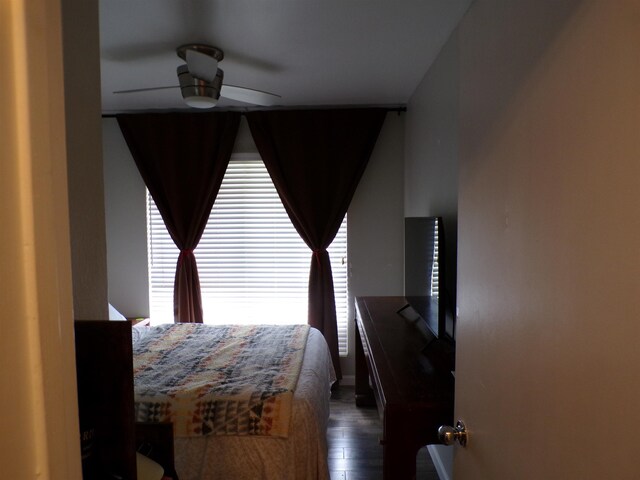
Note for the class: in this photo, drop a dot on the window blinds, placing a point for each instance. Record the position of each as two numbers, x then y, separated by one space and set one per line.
253 266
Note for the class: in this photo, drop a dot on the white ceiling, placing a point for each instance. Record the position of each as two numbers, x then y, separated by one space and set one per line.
311 52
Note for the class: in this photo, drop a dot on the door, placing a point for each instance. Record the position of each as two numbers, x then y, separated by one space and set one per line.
548 366
39 434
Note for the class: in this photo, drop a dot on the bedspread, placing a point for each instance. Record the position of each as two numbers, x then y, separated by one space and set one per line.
302 455
222 380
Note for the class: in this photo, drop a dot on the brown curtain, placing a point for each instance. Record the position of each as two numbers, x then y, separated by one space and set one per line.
182 158
316 159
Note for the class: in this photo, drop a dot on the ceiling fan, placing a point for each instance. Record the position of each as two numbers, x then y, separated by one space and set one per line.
201 80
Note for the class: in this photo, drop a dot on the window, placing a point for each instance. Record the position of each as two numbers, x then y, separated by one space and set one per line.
253 265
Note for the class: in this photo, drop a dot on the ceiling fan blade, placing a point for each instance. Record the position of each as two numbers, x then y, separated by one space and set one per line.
149 89
201 65
249 95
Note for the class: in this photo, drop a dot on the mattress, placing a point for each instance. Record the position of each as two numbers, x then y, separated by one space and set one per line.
301 455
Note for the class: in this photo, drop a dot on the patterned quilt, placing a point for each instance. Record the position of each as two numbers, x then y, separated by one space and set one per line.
218 380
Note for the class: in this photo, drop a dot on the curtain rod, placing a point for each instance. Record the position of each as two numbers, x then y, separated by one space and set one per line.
399 109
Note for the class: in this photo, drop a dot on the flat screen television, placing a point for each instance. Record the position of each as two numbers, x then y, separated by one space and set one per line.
425 274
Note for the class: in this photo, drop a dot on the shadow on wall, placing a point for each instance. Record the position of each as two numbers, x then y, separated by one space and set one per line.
533 27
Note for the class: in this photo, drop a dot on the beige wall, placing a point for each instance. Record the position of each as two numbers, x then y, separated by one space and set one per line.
549 223
38 412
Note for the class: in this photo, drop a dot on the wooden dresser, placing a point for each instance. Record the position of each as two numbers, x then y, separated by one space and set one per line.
406 372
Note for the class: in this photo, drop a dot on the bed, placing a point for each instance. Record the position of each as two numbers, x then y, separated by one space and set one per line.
270 428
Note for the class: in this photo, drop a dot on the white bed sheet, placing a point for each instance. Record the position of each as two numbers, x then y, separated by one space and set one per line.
302 455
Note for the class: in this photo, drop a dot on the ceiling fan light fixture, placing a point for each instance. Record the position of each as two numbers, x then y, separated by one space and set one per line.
199 101
199 93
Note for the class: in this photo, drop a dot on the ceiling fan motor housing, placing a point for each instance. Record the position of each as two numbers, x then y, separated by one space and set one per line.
201 80
199 93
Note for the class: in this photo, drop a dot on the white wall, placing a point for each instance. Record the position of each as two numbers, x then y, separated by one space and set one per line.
126 225
431 151
376 225
86 197
431 147
431 171
375 221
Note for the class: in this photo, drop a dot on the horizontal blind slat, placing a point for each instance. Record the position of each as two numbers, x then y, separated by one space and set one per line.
251 261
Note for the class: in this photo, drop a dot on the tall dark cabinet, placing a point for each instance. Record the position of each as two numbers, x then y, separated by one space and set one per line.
104 365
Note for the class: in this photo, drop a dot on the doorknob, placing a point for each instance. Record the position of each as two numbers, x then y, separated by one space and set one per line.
448 435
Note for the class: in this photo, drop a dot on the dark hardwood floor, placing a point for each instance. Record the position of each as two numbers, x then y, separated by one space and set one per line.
353 437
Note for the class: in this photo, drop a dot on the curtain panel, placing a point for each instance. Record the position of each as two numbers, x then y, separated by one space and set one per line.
182 158
316 159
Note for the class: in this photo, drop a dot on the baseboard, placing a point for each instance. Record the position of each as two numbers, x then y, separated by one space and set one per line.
442 458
